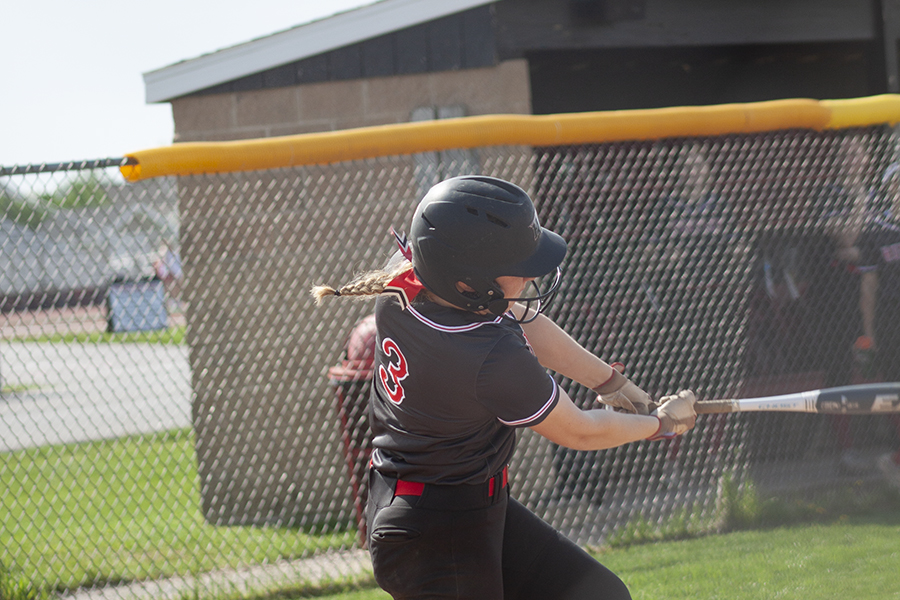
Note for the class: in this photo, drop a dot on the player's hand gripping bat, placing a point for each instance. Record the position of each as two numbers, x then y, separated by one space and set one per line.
865 399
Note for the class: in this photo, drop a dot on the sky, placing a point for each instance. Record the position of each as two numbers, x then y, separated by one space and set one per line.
72 86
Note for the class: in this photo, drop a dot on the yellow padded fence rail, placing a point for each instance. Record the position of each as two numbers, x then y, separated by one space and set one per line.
507 130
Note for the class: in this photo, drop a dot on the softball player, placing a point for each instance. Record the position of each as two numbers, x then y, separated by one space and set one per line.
462 353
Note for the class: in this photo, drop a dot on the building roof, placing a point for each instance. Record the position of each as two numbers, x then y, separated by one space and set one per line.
302 41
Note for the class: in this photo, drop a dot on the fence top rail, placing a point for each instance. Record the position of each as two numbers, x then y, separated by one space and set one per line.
509 130
75 165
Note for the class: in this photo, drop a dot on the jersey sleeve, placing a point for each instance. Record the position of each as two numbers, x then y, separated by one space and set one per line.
514 386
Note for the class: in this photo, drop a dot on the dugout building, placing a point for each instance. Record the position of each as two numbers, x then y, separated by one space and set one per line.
396 61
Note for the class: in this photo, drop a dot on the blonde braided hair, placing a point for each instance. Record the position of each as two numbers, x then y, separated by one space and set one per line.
370 283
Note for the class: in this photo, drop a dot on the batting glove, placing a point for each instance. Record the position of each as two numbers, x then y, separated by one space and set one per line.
676 415
621 394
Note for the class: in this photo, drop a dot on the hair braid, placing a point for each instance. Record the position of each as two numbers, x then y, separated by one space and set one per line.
370 283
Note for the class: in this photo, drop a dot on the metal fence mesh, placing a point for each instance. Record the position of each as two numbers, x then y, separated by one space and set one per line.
171 413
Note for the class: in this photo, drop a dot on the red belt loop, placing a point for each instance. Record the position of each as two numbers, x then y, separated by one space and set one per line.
504 477
409 488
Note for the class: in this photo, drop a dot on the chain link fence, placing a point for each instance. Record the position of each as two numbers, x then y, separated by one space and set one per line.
178 417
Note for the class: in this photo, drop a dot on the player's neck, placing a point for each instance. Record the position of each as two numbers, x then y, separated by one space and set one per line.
441 302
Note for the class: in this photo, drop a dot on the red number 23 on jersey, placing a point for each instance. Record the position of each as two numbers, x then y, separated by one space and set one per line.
396 370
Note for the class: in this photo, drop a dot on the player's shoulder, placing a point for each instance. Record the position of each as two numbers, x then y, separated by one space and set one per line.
442 319
455 321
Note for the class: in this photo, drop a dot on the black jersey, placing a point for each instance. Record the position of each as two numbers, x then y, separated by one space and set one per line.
450 389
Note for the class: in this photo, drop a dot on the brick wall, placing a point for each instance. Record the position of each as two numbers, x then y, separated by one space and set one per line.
337 105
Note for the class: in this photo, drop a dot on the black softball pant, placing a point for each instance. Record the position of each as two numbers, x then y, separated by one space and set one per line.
497 551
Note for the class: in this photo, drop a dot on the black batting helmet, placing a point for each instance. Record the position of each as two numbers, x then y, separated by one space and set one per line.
474 229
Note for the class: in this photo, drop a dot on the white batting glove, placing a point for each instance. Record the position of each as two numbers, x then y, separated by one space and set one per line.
621 394
676 415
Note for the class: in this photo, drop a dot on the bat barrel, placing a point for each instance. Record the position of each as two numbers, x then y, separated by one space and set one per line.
872 398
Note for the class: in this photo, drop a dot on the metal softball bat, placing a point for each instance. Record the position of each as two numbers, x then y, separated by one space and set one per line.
865 399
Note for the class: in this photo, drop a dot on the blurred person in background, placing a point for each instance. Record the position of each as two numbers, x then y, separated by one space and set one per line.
879 302
832 295
167 268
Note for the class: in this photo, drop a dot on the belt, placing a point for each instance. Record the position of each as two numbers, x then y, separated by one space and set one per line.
453 497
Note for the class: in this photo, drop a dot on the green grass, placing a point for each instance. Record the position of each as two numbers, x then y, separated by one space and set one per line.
853 557
15 586
850 558
173 335
125 509
19 388
128 509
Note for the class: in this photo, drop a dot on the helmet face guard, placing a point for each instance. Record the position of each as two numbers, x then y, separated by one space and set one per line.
474 229
534 304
